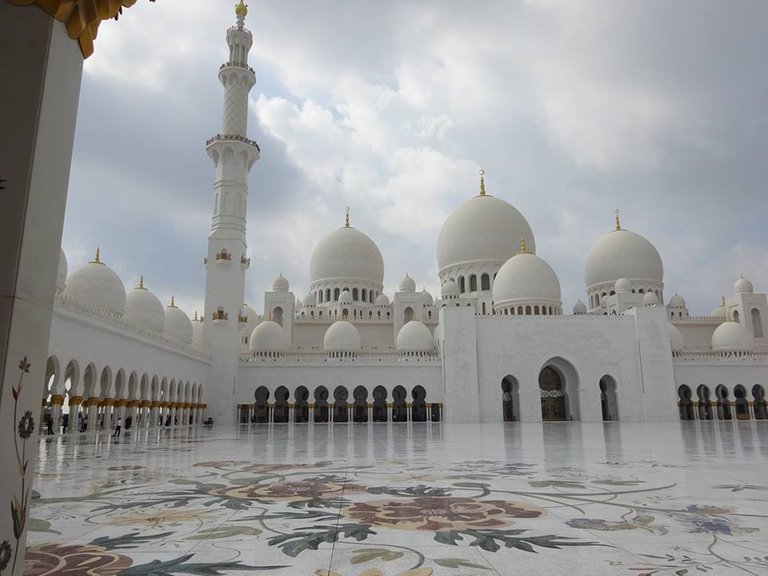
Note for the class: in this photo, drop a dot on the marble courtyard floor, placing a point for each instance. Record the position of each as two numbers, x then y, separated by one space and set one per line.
678 498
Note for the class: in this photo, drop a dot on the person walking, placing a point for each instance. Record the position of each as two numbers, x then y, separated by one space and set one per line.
118 426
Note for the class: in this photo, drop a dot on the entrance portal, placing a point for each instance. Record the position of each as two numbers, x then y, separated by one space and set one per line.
510 403
553 403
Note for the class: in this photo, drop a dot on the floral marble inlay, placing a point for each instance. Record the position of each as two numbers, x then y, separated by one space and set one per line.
439 499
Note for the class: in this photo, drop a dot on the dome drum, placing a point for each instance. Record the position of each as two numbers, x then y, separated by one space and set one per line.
328 292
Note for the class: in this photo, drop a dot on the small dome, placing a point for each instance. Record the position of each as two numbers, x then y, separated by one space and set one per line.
382 300
449 289
482 229
743 286
144 310
96 285
280 284
407 284
309 299
414 337
428 300
61 275
675 338
177 325
676 301
623 285
346 254
268 336
341 336
731 337
623 254
197 332
650 299
526 277
579 307
345 297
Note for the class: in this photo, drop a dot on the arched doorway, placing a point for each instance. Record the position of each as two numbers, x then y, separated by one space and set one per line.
360 404
340 410
685 404
608 401
723 403
379 404
399 409
740 404
553 402
510 399
705 407
419 404
301 406
758 402
261 405
321 404
280 414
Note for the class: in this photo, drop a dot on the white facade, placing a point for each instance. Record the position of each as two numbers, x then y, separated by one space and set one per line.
494 346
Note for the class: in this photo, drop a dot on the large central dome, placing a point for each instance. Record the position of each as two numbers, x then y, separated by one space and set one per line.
483 229
346 254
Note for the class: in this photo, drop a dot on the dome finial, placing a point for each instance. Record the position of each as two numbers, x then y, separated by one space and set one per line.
97 259
482 182
173 301
618 221
346 218
196 318
141 283
522 246
241 11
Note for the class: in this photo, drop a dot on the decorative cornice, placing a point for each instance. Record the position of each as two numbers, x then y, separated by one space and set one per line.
81 17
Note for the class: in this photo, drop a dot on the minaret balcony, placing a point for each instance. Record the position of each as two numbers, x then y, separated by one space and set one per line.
245 262
242 319
223 256
232 138
237 65
220 317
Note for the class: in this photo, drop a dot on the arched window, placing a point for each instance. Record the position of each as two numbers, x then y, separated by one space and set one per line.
472 283
757 323
327 294
735 315
364 295
277 315
485 282
483 307
354 294
461 285
536 310
528 310
336 294
519 309
407 315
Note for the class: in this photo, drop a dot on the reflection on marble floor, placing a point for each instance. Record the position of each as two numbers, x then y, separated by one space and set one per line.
422 499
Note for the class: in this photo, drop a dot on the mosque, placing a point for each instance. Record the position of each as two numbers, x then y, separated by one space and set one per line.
495 344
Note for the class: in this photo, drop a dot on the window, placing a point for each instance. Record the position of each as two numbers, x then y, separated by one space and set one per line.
336 294
354 294
461 285
485 282
757 323
473 283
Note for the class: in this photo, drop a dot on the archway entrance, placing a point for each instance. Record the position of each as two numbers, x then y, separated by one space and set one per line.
608 401
553 403
261 407
510 399
340 410
360 404
723 403
280 408
419 405
301 407
705 407
759 405
399 409
741 405
321 404
685 404
379 404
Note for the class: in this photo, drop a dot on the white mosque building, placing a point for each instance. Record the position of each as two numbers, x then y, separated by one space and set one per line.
495 345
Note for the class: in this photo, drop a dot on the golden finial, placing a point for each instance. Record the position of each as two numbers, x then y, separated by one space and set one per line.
173 301
196 318
618 222
346 218
241 10
482 182
522 246
141 283
97 259
723 302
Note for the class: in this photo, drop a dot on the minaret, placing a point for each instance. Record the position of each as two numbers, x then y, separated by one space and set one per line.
233 155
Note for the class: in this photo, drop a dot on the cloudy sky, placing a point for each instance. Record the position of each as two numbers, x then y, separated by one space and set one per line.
573 109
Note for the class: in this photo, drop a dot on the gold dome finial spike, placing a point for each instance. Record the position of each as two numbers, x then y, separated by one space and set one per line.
173 301
618 221
346 218
97 259
482 182
141 283
241 10
522 246
196 318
